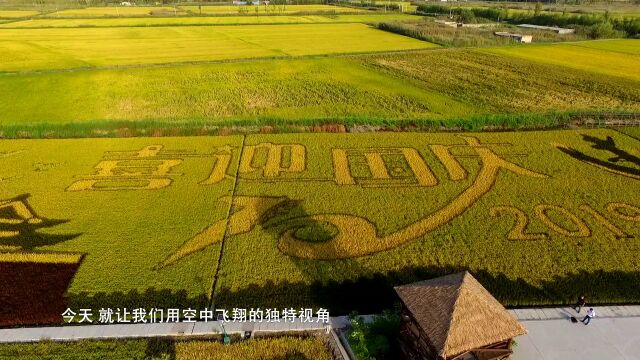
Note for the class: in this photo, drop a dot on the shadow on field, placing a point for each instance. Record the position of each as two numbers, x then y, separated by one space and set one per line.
160 348
292 355
621 162
149 298
374 294
22 222
33 293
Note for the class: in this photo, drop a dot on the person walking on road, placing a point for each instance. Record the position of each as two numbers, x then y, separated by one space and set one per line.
590 314
579 304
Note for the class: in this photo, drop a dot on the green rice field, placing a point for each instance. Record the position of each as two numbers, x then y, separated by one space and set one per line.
433 84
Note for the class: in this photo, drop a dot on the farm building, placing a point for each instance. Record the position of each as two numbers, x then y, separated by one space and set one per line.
516 37
559 30
454 318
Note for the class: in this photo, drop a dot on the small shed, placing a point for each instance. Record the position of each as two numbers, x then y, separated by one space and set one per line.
454 318
517 37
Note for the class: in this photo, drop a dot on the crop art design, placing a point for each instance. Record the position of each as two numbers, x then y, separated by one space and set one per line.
149 168
621 163
357 236
28 276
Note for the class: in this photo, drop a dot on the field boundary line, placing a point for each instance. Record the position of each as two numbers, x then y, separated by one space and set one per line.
223 61
624 133
226 227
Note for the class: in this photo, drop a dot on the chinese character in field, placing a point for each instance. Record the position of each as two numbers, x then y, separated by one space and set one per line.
381 167
273 159
149 168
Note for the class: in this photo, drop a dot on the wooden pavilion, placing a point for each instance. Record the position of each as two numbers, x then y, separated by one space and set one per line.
454 318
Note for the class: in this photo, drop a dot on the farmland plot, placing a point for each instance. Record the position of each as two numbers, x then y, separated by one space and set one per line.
106 218
334 220
290 90
275 9
209 20
12 14
315 219
111 11
594 57
40 49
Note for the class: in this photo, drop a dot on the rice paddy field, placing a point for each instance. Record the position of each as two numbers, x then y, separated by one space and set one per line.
141 222
42 49
70 185
270 9
280 348
12 14
592 56
209 20
124 11
431 84
261 219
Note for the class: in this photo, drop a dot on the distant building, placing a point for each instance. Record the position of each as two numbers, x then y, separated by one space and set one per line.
517 37
559 30
454 318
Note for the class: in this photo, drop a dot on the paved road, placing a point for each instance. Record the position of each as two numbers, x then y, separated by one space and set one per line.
607 338
614 334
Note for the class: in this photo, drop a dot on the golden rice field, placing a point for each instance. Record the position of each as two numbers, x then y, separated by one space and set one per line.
109 11
12 14
270 9
596 57
55 194
41 49
260 348
141 222
210 20
538 216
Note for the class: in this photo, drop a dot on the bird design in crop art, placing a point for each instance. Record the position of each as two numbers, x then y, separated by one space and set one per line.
622 163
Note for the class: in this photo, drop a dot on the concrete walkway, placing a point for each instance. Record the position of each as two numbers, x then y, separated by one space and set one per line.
605 338
566 313
613 334
117 331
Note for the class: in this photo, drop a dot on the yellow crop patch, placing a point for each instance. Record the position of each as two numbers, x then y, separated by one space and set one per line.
593 57
41 258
